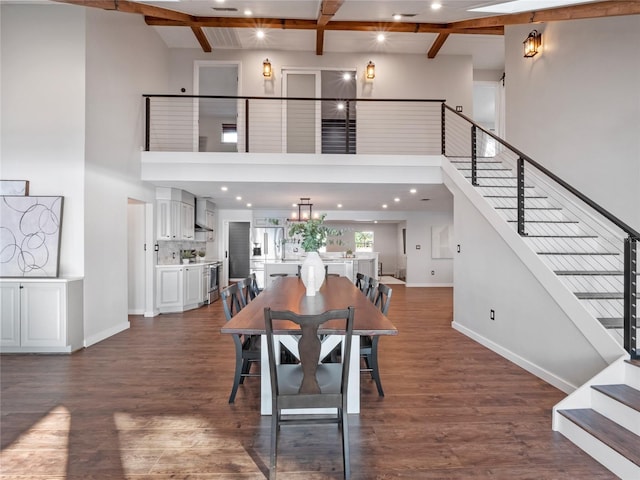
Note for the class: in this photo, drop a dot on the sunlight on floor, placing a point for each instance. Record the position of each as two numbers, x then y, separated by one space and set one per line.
44 447
177 445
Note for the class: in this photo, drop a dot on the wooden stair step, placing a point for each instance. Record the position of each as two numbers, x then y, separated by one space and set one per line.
624 394
599 295
608 432
612 322
577 253
597 273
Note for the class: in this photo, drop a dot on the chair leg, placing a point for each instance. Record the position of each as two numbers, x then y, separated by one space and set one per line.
237 376
345 446
275 427
375 371
246 367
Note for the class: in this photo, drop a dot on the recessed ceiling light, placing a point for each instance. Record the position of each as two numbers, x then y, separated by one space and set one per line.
396 199
219 1
248 205
224 189
238 198
260 34
413 190
436 6
339 205
384 206
340 106
397 17
346 76
380 37
248 12
375 221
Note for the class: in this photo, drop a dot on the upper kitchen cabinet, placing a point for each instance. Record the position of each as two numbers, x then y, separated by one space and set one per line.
176 214
206 219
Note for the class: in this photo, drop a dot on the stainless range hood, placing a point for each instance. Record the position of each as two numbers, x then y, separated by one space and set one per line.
203 206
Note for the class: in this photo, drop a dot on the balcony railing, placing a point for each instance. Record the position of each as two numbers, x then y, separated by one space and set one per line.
188 123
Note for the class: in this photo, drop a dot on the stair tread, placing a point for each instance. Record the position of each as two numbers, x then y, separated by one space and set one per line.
561 236
589 272
545 221
577 253
624 394
612 322
599 295
623 441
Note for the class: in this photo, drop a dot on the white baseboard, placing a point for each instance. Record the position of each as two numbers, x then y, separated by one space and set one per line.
153 313
93 339
136 311
532 368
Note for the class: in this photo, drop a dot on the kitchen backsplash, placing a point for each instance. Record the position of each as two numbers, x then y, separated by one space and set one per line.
169 252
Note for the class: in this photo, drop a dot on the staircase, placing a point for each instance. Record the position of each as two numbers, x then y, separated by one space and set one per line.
588 259
603 416
604 419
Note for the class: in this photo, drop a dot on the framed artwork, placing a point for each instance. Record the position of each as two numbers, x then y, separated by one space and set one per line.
442 241
14 187
30 230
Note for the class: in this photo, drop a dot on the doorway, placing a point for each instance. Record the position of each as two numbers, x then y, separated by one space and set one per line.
301 117
217 117
136 284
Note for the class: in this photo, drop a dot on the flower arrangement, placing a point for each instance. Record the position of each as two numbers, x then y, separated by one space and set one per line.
313 233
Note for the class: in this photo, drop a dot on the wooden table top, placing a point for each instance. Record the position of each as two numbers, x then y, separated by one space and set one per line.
289 293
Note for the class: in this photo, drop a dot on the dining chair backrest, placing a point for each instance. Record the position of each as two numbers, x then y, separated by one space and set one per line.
361 281
254 285
383 298
247 289
231 301
326 271
309 351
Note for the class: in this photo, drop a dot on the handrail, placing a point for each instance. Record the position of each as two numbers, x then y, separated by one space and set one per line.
605 213
249 97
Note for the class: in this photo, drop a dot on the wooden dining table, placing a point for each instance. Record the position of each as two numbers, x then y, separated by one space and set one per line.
289 293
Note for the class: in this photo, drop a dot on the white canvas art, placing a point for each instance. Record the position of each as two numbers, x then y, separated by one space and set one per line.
30 236
442 241
14 187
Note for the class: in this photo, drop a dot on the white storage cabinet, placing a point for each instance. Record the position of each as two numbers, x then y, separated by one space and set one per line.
41 316
179 287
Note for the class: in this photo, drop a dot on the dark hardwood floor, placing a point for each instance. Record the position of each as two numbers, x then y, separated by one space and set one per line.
151 403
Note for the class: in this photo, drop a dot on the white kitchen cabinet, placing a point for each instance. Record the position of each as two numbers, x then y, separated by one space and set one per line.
169 220
211 223
187 222
192 286
179 287
42 316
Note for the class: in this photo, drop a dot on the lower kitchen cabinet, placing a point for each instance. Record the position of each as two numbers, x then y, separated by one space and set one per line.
179 287
41 316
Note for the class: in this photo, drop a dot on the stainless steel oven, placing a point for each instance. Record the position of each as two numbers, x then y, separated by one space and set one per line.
214 282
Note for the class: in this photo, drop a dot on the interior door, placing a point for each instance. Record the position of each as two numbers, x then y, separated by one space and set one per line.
301 118
216 78
239 249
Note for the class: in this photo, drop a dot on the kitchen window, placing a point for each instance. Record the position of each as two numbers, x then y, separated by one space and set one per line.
364 241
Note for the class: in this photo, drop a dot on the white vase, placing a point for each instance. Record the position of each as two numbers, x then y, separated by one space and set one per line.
312 273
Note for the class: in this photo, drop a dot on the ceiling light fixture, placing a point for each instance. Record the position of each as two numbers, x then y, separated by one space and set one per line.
532 43
370 71
397 17
413 190
266 68
260 34
381 38
224 189
305 210
248 12
436 6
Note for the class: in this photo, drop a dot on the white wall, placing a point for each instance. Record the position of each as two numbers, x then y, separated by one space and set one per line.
124 60
531 328
575 107
72 80
43 112
446 77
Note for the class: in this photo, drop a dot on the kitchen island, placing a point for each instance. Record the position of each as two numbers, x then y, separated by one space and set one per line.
340 265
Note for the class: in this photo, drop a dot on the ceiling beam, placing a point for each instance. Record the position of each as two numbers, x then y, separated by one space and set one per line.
202 39
437 45
327 10
297 24
132 7
319 41
573 12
